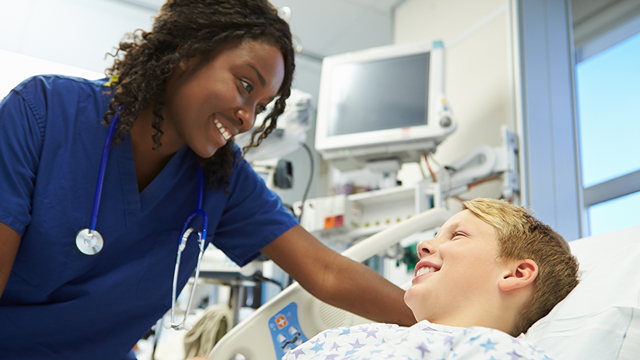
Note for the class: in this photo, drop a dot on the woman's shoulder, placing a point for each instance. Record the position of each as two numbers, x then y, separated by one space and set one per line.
64 96
55 82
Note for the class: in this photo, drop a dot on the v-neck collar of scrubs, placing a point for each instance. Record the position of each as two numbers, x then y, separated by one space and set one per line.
140 202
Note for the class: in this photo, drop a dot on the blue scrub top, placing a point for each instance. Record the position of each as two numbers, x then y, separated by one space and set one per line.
61 304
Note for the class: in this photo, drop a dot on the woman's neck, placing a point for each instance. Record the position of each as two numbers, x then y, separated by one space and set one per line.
149 163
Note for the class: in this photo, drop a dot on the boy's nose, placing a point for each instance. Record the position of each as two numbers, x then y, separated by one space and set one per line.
428 247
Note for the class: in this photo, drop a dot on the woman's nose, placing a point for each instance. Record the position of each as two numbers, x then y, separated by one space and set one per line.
246 116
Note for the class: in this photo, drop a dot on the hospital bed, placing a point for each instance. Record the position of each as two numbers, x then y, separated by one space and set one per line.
600 319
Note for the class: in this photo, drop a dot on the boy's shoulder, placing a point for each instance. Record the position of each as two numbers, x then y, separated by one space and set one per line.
465 342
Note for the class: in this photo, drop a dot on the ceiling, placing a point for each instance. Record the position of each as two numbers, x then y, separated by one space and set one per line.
327 27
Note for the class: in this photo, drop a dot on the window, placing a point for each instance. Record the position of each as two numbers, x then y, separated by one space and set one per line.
619 213
608 89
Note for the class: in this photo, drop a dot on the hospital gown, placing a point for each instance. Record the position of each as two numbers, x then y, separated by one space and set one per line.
421 341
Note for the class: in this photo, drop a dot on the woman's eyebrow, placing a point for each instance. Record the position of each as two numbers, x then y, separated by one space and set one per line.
260 77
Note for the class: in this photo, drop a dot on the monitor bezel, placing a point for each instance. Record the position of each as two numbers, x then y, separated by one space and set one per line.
432 131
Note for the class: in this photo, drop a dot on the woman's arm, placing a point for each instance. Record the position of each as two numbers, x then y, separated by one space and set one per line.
338 280
9 242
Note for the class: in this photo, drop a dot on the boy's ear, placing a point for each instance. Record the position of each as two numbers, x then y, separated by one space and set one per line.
518 274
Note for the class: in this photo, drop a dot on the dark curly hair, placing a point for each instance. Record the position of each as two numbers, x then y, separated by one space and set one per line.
182 30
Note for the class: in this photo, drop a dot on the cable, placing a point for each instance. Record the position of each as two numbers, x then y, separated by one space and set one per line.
483 180
306 192
448 170
257 276
424 176
433 174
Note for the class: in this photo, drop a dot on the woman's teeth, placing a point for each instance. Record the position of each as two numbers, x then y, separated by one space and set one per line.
225 133
425 270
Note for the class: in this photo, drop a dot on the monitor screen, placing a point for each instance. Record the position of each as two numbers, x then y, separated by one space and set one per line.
379 95
382 103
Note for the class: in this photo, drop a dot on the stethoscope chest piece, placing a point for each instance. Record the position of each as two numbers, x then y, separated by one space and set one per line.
89 242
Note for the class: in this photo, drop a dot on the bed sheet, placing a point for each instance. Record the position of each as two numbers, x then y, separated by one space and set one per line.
600 318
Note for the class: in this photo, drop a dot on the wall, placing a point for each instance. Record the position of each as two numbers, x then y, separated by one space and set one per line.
477 67
72 32
78 33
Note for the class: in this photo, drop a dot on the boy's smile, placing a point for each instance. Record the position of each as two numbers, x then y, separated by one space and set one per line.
425 267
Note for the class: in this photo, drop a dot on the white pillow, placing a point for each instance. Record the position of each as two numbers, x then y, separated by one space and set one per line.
600 318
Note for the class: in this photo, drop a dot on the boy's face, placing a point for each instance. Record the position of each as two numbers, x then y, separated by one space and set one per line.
457 271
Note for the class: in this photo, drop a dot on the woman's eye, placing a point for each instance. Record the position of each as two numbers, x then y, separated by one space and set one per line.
456 236
247 86
260 109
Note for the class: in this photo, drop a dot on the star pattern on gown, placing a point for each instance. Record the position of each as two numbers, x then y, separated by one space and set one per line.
514 355
449 340
318 347
382 341
350 352
356 345
298 351
423 349
371 333
472 339
489 345
335 346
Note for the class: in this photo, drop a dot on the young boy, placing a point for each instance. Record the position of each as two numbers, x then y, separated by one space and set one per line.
489 274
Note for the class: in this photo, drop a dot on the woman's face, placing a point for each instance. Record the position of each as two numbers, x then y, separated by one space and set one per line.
209 101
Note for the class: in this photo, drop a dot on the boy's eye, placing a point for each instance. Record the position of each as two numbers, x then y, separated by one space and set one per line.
246 86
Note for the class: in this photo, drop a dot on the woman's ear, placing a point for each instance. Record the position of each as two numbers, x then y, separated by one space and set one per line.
184 64
519 273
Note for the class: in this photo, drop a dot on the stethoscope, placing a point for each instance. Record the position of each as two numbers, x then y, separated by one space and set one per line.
90 242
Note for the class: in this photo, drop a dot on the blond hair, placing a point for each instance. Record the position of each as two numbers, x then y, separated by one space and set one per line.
521 236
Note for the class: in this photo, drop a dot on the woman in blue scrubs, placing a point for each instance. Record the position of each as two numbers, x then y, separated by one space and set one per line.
182 92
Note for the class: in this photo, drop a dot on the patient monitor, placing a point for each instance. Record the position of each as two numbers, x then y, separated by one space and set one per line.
385 102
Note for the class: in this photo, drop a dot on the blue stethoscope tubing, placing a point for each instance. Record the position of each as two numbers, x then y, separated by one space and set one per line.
90 242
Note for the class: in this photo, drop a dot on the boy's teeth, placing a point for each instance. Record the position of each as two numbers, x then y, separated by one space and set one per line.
425 270
225 133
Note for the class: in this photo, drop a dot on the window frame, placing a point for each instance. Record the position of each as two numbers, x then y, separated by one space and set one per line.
623 185
545 59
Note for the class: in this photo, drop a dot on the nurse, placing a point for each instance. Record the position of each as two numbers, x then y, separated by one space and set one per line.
182 92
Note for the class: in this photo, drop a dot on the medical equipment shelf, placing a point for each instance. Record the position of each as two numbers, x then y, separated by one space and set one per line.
365 214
